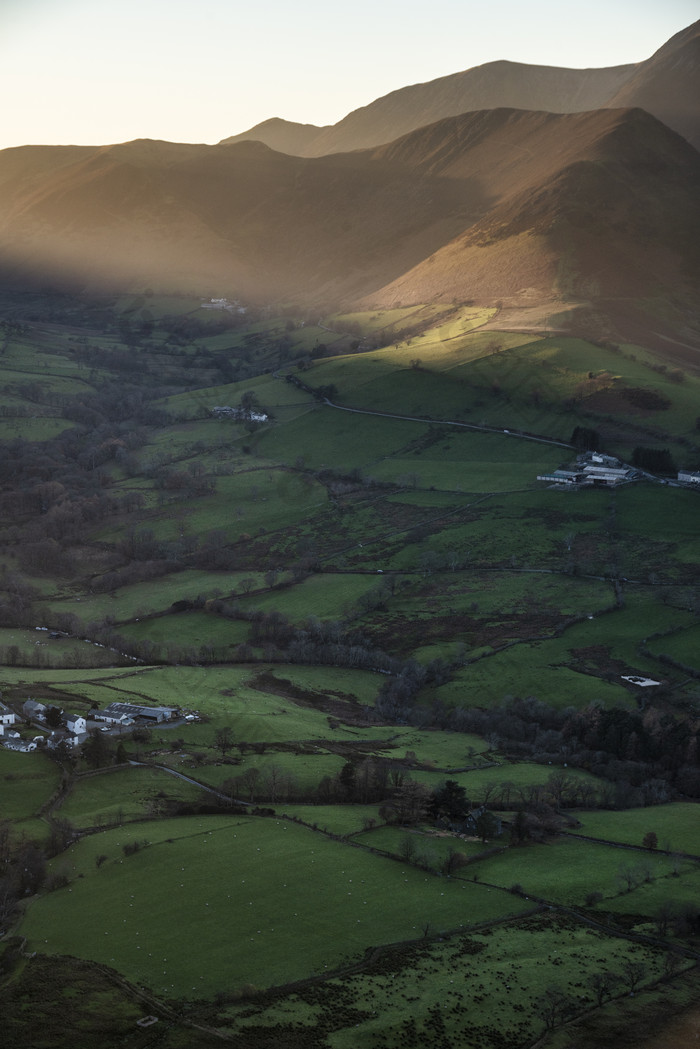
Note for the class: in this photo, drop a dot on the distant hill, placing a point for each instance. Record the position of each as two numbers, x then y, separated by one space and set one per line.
667 85
490 86
500 205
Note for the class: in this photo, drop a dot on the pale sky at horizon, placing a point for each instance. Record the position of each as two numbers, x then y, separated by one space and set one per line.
93 72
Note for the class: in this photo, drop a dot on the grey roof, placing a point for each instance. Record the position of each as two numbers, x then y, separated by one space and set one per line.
135 710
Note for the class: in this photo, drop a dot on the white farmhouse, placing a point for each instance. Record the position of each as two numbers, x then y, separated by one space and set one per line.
76 724
7 716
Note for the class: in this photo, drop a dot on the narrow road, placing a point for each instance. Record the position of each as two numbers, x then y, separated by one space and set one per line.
450 422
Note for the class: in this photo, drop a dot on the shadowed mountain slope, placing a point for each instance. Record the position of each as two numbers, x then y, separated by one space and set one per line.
507 205
667 85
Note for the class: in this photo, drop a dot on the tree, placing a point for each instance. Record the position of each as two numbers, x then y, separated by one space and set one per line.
650 840
602 984
223 740
97 750
450 801
665 913
249 780
553 1007
633 972
53 717
407 847
487 826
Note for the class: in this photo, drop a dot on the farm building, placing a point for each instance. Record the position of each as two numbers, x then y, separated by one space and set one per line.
689 476
21 745
591 468
76 724
69 739
571 477
33 709
227 412
118 711
7 716
112 717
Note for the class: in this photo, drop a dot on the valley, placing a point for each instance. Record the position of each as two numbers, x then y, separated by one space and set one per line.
350 574
370 611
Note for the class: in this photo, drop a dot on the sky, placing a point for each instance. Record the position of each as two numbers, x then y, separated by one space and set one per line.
93 72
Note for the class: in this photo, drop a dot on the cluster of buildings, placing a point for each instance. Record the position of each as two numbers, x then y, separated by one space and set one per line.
595 468
73 728
124 714
225 411
224 304
592 468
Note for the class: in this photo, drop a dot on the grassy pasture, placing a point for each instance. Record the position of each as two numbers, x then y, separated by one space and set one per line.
506 776
122 794
479 991
34 647
328 437
144 598
328 596
336 819
272 394
256 902
27 782
566 870
30 429
682 646
430 846
529 670
216 690
472 475
259 502
649 897
518 529
280 773
676 825
192 629
444 750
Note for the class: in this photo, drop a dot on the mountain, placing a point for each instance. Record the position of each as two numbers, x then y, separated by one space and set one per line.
490 86
667 85
525 208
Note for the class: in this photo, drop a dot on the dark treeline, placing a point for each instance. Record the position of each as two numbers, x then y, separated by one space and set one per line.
648 757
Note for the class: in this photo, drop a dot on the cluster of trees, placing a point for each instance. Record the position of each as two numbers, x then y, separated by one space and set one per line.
646 755
655 460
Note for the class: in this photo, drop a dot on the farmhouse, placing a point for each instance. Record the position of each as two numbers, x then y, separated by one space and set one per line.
689 476
75 724
7 716
33 709
68 739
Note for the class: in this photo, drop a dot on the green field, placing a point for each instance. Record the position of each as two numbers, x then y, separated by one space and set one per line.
675 825
299 903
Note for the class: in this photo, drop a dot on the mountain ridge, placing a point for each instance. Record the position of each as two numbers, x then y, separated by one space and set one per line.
481 207
529 208
666 85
